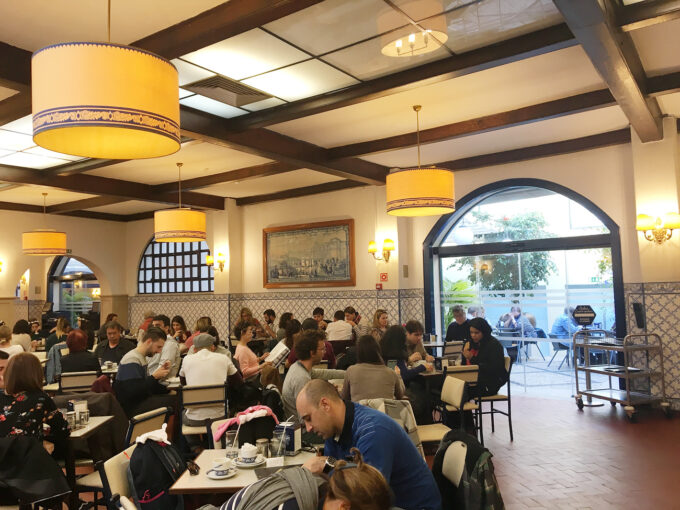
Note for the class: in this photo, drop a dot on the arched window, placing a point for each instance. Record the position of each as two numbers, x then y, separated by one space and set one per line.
72 288
175 267
525 243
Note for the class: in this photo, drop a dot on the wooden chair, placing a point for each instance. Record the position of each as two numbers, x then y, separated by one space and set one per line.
468 374
77 382
200 396
454 398
109 478
499 397
453 350
146 422
212 427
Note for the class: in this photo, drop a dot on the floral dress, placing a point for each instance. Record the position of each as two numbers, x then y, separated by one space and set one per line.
26 413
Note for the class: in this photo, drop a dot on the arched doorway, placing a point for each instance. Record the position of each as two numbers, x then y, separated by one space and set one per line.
72 288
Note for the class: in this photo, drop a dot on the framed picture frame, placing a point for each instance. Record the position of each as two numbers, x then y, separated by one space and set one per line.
309 255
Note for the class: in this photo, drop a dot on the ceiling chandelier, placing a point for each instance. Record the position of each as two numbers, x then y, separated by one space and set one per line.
181 225
43 241
420 191
104 100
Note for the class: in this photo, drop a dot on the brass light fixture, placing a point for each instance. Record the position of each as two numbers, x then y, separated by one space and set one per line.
221 260
104 100
387 248
658 230
44 241
420 191
181 225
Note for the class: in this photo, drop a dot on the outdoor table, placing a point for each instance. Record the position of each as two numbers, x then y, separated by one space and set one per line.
201 484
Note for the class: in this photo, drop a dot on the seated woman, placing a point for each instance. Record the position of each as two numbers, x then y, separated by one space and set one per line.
283 322
21 335
247 359
202 325
26 406
59 335
380 323
6 342
79 359
246 316
487 352
370 378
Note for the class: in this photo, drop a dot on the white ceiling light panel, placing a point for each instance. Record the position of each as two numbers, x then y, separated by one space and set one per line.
189 73
23 125
211 106
12 141
263 105
30 160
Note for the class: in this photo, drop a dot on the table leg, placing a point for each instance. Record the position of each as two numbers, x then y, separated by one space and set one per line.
70 465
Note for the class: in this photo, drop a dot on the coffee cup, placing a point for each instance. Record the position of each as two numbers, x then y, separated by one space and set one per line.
248 453
221 464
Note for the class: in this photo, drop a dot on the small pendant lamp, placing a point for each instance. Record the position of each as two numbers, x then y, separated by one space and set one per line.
420 191
181 225
43 241
104 100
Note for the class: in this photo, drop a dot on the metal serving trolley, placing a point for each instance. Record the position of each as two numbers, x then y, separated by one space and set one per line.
644 349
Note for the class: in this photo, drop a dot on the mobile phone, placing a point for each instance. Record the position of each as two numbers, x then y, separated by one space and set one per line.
391 364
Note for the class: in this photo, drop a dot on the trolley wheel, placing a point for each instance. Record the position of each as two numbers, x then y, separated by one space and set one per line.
630 413
612 403
667 409
579 403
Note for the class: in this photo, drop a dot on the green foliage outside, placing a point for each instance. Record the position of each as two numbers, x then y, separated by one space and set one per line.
459 292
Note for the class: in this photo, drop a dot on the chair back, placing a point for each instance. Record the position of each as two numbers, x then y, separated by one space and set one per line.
126 504
212 428
77 382
401 412
146 422
508 364
202 396
114 476
467 373
453 391
64 351
508 332
453 350
454 462
323 364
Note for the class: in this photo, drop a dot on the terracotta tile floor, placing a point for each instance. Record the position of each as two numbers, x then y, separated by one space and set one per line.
562 458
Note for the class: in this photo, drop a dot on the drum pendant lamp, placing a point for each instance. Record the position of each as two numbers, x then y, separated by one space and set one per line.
43 241
420 191
104 100
181 225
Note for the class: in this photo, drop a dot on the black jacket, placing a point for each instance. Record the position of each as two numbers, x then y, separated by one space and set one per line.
458 332
83 361
491 361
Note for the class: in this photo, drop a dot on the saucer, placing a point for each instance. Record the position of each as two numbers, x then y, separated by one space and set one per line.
259 460
214 474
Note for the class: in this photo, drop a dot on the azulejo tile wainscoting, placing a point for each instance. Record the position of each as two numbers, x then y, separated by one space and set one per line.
224 309
661 305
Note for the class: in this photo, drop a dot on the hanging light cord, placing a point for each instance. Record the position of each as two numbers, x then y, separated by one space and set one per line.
108 22
179 182
416 108
45 207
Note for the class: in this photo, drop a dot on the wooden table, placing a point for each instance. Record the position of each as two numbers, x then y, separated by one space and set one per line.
201 484
70 462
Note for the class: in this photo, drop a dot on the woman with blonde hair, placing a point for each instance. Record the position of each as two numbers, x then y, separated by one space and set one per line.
202 326
357 486
380 324
59 335
6 342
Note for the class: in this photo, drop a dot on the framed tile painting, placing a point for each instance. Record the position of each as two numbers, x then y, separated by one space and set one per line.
309 255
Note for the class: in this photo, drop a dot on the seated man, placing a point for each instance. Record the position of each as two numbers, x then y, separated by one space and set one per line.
329 354
565 326
459 329
318 314
135 389
519 323
339 329
381 440
354 319
414 343
113 347
309 349
170 350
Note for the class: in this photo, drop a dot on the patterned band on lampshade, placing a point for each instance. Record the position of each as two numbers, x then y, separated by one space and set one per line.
103 100
420 192
179 226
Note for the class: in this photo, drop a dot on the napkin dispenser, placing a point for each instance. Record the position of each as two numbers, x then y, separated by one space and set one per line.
293 433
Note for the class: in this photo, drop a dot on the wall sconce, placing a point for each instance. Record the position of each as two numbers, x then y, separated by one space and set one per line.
221 260
96 293
388 246
0 266
658 230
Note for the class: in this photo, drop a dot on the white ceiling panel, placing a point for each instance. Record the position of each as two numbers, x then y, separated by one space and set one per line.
301 80
129 207
212 106
31 161
199 159
537 133
32 24
253 52
23 125
670 104
32 195
39 151
270 184
13 141
336 23
5 93
264 104
523 83
189 73
658 46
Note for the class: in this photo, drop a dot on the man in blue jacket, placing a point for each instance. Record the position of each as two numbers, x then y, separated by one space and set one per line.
382 441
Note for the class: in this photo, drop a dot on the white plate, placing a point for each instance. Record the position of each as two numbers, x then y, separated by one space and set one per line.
259 460
212 474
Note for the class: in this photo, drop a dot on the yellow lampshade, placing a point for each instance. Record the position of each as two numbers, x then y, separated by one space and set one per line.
388 245
43 242
372 247
179 226
645 222
420 192
102 100
221 259
671 220
209 260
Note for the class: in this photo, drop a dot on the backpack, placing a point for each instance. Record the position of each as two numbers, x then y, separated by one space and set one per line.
478 488
272 399
149 484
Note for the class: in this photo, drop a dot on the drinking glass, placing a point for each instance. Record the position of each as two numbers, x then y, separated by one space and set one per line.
277 447
232 444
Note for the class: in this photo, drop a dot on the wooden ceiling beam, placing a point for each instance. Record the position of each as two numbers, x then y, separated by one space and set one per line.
645 14
299 192
87 203
92 184
613 54
11 206
504 52
534 113
15 68
15 107
268 144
